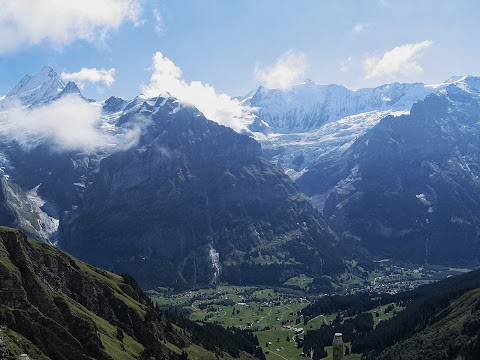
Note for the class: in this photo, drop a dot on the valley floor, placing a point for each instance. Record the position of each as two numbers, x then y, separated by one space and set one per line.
274 314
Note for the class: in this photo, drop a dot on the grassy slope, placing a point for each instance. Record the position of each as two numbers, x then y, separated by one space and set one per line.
444 338
129 348
11 277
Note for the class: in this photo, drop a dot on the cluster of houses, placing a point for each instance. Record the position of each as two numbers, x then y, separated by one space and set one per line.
296 331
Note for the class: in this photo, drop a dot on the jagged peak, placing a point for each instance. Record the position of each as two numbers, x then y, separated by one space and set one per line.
42 87
70 88
47 71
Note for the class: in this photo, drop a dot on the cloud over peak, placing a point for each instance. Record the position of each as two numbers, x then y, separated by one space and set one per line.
288 69
67 124
92 75
401 60
221 108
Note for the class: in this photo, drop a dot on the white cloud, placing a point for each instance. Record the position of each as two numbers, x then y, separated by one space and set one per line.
92 75
360 27
401 60
69 123
159 22
346 64
289 69
221 108
61 22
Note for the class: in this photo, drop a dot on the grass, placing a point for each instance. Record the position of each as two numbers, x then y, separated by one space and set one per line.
263 310
128 348
302 281
329 350
17 344
381 312
113 280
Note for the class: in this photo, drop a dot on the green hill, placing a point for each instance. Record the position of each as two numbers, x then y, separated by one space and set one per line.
53 306
437 321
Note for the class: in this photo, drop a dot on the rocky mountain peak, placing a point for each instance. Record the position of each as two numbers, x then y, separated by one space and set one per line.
42 87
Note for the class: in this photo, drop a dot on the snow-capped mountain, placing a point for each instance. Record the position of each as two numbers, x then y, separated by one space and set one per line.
308 106
35 90
169 196
409 187
309 121
162 154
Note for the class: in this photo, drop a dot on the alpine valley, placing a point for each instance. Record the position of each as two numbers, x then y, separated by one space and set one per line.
392 170
321 192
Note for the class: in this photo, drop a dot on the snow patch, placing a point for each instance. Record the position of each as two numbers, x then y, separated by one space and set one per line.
423 199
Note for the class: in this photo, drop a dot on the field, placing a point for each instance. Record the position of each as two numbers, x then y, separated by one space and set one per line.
273 314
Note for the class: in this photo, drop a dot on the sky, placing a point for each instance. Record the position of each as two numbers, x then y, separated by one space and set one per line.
217 49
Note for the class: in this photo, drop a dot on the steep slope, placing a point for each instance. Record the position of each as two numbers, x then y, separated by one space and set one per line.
34 90
434 321
196 201
33 196
409 188
25 211
455 332
56 307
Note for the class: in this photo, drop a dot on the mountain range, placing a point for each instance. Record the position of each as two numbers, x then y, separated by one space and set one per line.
188 196
392 170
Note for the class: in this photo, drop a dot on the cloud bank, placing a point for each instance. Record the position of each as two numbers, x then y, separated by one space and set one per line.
401 60
92 75
69 123
289 69
221 108
61 22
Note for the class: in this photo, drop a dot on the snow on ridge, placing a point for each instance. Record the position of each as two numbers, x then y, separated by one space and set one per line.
34 90
327 141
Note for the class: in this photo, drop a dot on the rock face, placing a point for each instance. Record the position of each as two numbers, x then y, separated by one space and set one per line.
194 202
56 307
409 187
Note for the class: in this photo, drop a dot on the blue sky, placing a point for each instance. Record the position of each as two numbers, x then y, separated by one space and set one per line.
235 46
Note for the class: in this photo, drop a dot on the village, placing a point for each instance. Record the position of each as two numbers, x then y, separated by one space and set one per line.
274 314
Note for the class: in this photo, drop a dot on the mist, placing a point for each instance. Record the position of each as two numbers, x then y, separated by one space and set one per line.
67 124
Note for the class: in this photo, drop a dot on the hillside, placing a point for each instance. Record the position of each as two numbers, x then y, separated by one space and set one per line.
56 307
435 321
455 332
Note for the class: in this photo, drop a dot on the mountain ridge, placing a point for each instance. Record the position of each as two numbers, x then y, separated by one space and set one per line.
206 194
